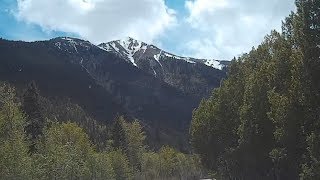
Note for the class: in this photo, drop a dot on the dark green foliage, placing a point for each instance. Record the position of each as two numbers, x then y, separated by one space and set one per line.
119 135
33 110
63 110
263 122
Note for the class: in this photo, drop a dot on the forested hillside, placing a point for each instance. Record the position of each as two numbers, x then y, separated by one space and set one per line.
264 121
43 144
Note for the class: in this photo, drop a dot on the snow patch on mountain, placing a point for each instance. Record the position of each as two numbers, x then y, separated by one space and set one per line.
157 57
130 56
71 45
58 45
144 48
130 45
133 50
126 48
214 63
67 38
113 45
180 58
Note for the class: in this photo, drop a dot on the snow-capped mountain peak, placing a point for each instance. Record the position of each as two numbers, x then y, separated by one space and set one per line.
134 50
131 44
126 48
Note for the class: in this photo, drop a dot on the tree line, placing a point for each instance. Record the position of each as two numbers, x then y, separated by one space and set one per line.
264 120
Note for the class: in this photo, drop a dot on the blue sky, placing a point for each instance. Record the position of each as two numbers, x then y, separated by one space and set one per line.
14 29
219 29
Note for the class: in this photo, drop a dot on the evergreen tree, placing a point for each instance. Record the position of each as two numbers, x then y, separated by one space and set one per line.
15 162
32 108
135 138
119 134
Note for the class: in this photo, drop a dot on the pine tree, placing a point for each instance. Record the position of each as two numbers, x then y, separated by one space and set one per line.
32 108
119 134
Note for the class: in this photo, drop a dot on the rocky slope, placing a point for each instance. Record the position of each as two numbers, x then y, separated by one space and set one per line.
196 77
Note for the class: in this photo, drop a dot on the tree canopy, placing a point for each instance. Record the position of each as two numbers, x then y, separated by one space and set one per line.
263 122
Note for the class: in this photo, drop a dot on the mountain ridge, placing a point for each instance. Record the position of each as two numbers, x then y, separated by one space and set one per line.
133 50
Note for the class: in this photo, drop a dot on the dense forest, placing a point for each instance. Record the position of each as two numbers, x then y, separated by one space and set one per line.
264 120
39 141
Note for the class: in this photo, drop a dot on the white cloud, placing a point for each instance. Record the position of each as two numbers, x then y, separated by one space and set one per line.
217 29
100 20
227 28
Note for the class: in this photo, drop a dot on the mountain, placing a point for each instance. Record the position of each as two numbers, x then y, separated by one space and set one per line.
56 74
136 51
196 77
158 89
